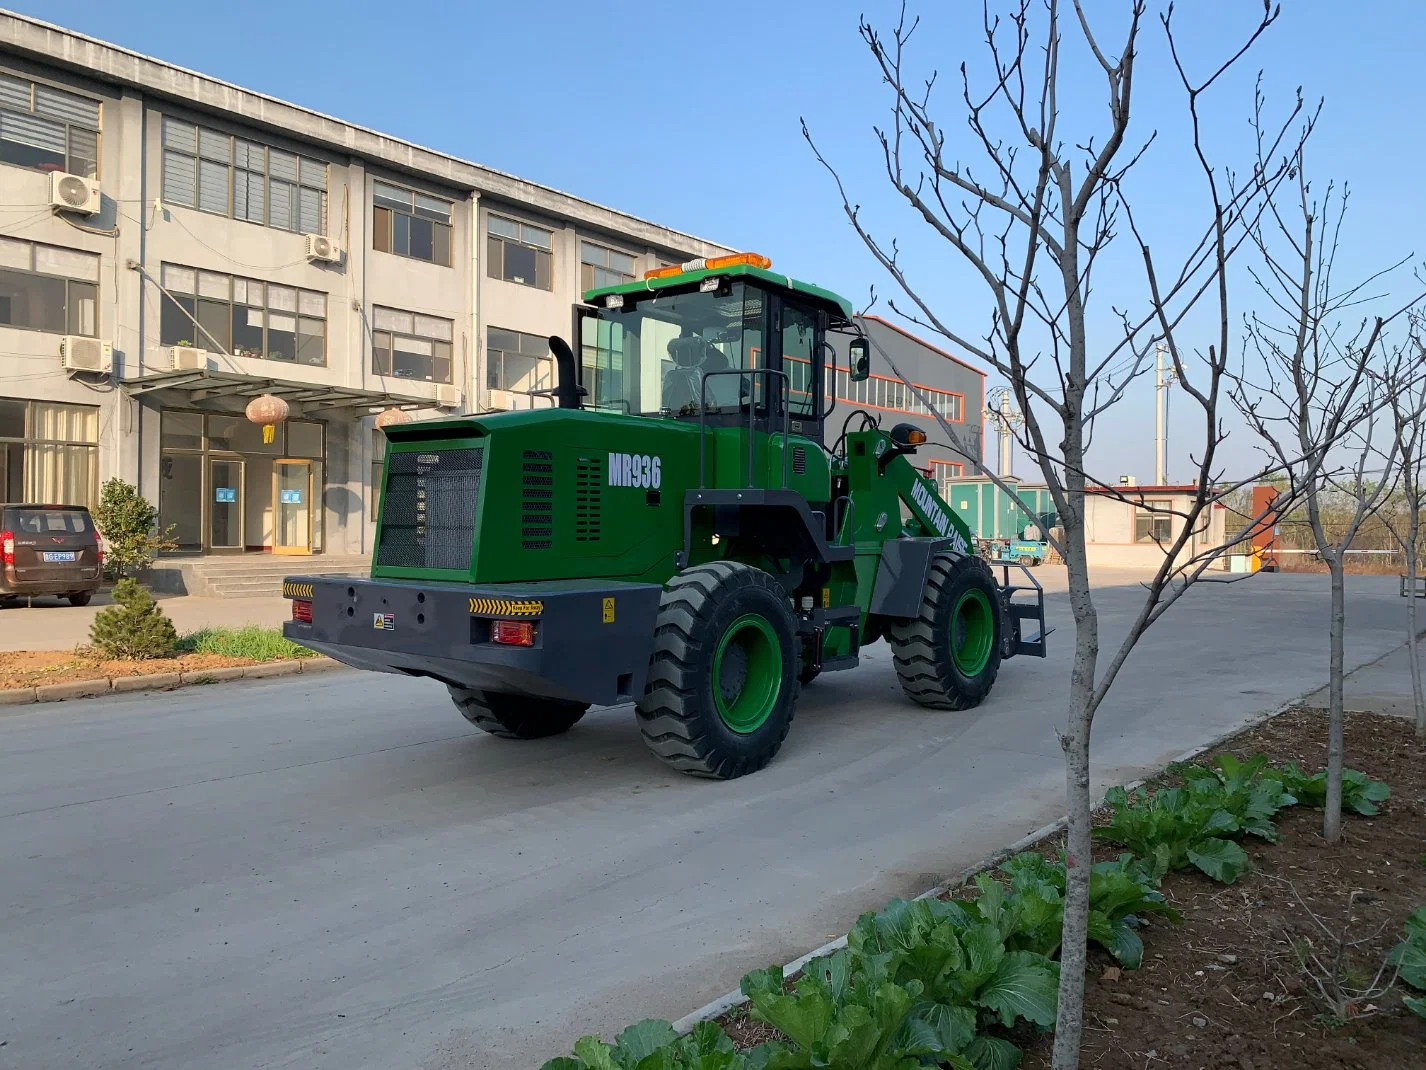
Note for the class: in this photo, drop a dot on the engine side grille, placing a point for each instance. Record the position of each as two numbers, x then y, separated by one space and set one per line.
588 498
799 461
428 509
537 500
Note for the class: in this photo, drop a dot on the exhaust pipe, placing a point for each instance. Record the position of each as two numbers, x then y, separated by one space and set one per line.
567 389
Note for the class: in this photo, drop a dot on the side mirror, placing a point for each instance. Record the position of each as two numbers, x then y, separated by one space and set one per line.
859 353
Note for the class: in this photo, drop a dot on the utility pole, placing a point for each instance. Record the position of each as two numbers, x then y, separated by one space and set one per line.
1001 411
1164 377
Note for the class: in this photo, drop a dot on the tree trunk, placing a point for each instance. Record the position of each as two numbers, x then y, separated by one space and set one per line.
1413 655
1332 813
1075 743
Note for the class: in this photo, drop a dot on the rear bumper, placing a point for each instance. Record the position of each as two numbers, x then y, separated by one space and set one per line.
592 638
64 585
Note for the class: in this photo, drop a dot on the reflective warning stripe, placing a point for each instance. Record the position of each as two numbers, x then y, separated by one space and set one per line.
505 607
296 590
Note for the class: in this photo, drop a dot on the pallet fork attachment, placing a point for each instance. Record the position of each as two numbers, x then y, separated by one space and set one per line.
1016 613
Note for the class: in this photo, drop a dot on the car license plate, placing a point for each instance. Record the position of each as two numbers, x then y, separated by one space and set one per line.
58 555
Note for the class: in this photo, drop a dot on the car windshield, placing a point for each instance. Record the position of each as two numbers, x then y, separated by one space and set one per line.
47 521
650 357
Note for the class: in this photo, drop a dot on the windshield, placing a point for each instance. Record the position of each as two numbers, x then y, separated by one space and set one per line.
650 357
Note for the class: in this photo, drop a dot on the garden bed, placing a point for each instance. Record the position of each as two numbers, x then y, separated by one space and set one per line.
1201 998
1225 988
203 650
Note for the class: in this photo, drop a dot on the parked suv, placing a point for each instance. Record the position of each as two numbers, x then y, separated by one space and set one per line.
49 549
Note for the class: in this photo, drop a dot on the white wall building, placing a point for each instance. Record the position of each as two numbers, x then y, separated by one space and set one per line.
228 245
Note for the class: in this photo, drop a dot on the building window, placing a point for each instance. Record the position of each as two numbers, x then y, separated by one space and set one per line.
411 224
519 252
600 267
232 176
881 392
408 345
1153 521
47 128
517 362
46 288
244 317
49 453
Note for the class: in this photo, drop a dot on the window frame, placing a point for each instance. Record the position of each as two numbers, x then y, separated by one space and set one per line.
67 125
619 277
392 334
501 241
546 360
233 169
29 440
70 311
1154 511
231 303
384 227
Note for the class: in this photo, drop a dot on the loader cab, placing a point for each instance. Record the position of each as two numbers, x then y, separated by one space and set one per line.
720 341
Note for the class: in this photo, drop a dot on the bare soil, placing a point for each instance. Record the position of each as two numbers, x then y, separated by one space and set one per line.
38 668
1224 989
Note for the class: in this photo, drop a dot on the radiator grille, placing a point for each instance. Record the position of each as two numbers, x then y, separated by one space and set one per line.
428 509
588 498
537 500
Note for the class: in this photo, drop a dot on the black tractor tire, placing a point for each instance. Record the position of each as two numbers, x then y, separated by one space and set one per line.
81 598
700 612
922 647
516 716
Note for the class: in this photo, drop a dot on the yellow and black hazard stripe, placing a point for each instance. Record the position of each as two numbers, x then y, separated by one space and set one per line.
296 590
505 607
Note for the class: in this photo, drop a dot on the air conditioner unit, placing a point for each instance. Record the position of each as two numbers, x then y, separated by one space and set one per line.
320 247
448 397
188 359
70 193
79 354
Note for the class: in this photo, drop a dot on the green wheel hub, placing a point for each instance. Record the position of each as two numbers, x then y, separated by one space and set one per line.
747 673
972 632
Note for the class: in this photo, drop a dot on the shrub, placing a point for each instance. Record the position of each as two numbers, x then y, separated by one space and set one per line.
134 627
253 642
1360 793
129 524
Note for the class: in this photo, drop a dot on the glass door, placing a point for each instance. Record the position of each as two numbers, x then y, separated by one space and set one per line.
225 511
292 507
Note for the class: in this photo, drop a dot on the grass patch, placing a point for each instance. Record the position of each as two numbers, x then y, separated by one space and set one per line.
252 641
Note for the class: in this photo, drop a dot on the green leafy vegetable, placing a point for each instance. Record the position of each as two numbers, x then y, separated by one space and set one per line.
653 1045
1360 793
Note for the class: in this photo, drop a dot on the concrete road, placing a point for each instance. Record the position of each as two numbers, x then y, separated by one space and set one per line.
337 872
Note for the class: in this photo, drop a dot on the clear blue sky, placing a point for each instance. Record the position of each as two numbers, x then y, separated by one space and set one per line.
687 114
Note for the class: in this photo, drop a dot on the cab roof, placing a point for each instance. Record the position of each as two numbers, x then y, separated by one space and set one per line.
744 271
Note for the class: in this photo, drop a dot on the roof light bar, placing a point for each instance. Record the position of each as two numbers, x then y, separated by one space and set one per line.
712 263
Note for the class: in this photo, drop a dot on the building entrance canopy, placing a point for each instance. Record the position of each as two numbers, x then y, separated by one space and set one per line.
315 398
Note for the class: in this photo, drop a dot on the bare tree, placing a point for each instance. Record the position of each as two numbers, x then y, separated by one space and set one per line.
1314 389
1406 394
1032 220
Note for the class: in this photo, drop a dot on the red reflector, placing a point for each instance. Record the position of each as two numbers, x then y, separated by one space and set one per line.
513 632
302 610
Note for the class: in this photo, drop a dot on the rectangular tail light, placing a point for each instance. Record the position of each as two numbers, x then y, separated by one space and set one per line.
302 610
513 632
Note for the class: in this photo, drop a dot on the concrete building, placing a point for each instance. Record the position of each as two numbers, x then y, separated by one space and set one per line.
229 245
173 246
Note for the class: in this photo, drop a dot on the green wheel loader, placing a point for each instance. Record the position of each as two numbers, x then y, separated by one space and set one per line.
692 525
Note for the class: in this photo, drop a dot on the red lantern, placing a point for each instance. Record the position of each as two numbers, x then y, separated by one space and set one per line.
269 411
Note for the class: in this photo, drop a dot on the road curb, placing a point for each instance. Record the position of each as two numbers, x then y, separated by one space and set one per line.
161 681
729 1000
